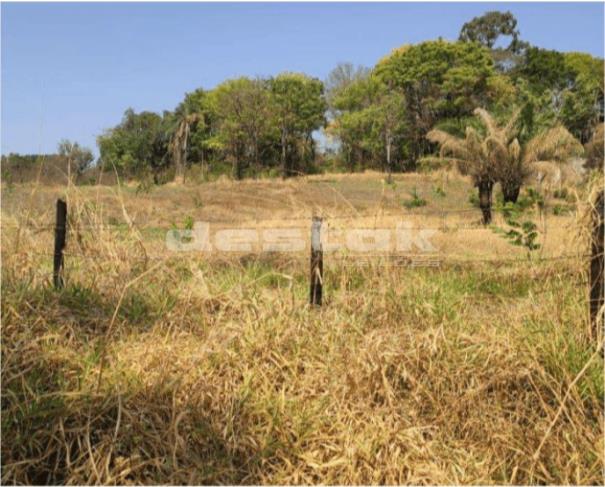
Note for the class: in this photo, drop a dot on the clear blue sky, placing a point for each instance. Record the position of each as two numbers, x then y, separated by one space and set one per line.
70 70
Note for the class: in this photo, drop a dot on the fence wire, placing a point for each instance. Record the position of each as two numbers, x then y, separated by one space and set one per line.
327 216
355 259
396 260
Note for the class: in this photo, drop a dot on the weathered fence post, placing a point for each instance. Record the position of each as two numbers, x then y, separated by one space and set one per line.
60 231
317 265
597 313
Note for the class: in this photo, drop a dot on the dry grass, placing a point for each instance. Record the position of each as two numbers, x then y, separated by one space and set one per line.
214 369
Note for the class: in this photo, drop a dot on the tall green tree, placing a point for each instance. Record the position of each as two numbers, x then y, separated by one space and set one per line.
491 28
563 87
353 118
371 126
243 123
135 145
199 148
298 109
583 100
341 77
438 79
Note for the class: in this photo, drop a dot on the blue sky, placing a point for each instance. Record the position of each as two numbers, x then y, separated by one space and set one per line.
70 70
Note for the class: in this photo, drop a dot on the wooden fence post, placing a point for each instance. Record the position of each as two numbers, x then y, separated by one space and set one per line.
317 265
60 232
597 313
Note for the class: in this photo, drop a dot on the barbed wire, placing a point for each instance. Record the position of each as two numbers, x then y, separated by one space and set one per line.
406 260
124 226
209 219
401 259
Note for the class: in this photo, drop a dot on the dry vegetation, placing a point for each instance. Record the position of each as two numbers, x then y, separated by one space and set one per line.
156 367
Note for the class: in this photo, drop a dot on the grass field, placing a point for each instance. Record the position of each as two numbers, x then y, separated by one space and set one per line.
159 367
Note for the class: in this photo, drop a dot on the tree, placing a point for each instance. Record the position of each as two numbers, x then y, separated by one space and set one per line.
582 107
243 122
78 157
298 106
487 28
516 161
388 117
199 145
497 156
353 106
471 155
545 69
136 145
178 143
438 79
180 123
569 87
343 75
370 125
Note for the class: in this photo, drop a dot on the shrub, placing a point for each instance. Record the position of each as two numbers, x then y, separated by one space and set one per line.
415 202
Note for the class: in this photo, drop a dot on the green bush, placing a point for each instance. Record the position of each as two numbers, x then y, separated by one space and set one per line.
415 202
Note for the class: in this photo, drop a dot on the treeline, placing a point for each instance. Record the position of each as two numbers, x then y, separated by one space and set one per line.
249 124
370 118
71 162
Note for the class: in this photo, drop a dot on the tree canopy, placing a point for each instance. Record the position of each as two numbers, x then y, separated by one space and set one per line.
487 28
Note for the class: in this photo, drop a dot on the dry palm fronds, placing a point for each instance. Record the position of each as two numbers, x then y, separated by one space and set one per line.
555 144
498 155
595 149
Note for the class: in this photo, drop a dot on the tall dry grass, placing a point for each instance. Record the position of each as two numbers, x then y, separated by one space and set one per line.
160 368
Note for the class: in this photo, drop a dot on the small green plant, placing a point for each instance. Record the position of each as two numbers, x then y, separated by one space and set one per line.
439 191
416 201
188 223
473 198
520 233
531 198
561 210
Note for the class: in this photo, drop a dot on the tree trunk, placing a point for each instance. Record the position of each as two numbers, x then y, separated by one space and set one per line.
510 192
485 200
257 162
179 173
180 152
414 155
389 169
237 168
284 163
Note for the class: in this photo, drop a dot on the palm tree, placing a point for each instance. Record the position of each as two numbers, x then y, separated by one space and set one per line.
498 156
179 140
